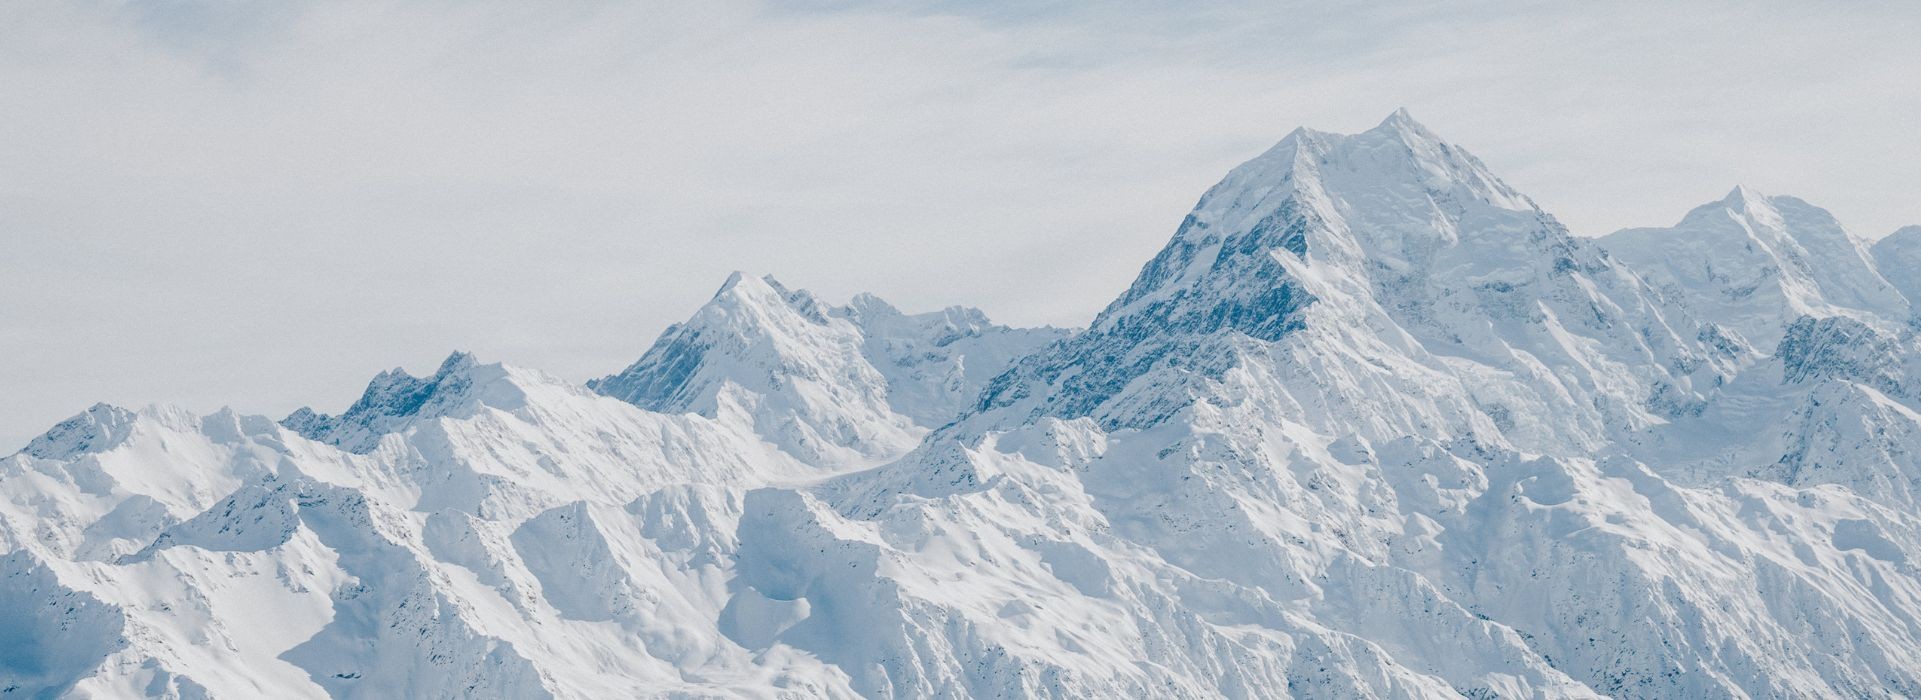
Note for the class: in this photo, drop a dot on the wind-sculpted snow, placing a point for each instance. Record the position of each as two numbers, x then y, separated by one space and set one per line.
1371 425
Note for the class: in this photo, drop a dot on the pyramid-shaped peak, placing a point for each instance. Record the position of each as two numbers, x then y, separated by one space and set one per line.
1741 203
1400 121
1748 201
742 286
733 280
1743 197
1394 172
745 298
740 283
1399 124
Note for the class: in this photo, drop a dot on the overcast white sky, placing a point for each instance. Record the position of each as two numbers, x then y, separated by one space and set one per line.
262 205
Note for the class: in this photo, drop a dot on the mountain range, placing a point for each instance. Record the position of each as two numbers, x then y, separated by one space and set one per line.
1372 424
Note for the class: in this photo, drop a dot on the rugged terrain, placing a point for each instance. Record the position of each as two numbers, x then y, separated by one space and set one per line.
1372 424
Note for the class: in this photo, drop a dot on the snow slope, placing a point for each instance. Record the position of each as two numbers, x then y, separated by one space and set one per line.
1899 259
1756 263
833 386
1371 425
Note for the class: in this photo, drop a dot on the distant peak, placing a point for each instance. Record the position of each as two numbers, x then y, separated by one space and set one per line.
1403 125
1400 119
1399 162
1743 195
103 409
455 362
1897 257
734 279
1742 202
741 284
743 291
389 400
96 429
867 306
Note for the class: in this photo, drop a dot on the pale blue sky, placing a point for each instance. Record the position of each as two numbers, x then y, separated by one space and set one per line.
261 205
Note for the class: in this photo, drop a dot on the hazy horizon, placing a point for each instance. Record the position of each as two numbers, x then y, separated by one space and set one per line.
261 206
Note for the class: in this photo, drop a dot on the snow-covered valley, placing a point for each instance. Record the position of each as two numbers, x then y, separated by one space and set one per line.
1372 424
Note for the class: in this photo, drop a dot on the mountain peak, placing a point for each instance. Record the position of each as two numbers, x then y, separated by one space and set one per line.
1404 125
1398 192
1898 256
740 285
831 384
761 347
740 282
749 299
1744 193
1328 220
1904 238
457 361
866 305
98 428
1399 163
1370 425
1745 202
392 399
1399 117
1754 261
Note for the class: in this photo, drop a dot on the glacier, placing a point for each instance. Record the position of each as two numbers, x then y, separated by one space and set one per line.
1372 424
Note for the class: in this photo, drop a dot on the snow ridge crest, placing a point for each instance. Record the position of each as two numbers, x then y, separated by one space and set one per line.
1371 424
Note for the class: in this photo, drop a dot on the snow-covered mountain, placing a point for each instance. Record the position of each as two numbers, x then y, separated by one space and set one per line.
1372 424
833 386
1755 263
1899 258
